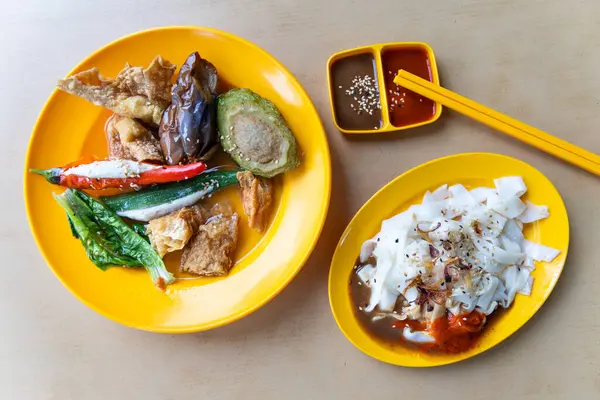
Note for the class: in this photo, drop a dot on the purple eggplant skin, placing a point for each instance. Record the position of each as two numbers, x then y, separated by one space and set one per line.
188 128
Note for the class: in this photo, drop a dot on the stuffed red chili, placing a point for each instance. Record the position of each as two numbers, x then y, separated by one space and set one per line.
118 174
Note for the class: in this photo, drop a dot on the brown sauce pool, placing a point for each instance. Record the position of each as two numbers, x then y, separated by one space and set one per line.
453 334
356 99
359 295
406 107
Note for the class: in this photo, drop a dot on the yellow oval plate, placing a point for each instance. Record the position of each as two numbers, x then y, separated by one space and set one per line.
472 170
69 127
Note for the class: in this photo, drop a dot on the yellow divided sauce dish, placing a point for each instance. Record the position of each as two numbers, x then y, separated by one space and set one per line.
408 189
69 127
363 96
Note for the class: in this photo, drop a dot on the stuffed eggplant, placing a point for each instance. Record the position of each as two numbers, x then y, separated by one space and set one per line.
188 128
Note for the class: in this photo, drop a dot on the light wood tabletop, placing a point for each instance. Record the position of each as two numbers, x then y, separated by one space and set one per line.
537 61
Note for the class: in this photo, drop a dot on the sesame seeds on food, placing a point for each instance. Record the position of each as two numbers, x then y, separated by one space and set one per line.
396 98
364 91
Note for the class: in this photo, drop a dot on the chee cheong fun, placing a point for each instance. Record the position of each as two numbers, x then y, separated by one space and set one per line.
435 273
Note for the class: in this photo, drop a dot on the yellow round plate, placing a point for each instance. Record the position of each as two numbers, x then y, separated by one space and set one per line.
472 170
69 127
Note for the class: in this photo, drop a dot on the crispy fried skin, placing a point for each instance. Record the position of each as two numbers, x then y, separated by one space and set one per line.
173 231
138 140
257 198
210 251
135 92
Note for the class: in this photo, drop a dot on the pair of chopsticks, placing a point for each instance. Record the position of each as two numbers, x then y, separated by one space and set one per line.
544 141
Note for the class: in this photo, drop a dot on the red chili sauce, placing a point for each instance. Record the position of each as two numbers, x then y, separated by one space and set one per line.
406 107
452 333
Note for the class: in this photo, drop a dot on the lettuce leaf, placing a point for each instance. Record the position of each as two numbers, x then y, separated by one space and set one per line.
108 241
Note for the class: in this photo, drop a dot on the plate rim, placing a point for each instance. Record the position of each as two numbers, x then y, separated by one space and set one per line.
442 361
322 215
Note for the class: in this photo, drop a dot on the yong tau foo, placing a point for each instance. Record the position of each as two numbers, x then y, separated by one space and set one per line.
174 139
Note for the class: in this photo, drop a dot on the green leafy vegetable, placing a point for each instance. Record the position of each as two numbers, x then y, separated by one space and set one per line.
107 239
73 230
140 229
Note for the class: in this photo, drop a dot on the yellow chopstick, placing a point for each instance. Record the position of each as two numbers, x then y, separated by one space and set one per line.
544 141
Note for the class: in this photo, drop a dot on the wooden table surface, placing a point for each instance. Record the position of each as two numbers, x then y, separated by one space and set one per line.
536 60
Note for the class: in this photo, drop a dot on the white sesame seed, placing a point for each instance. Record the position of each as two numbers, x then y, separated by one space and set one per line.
365 93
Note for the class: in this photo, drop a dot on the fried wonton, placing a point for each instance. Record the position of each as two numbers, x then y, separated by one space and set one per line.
210 251
257 198
138 140
116 150
135 92
173 231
